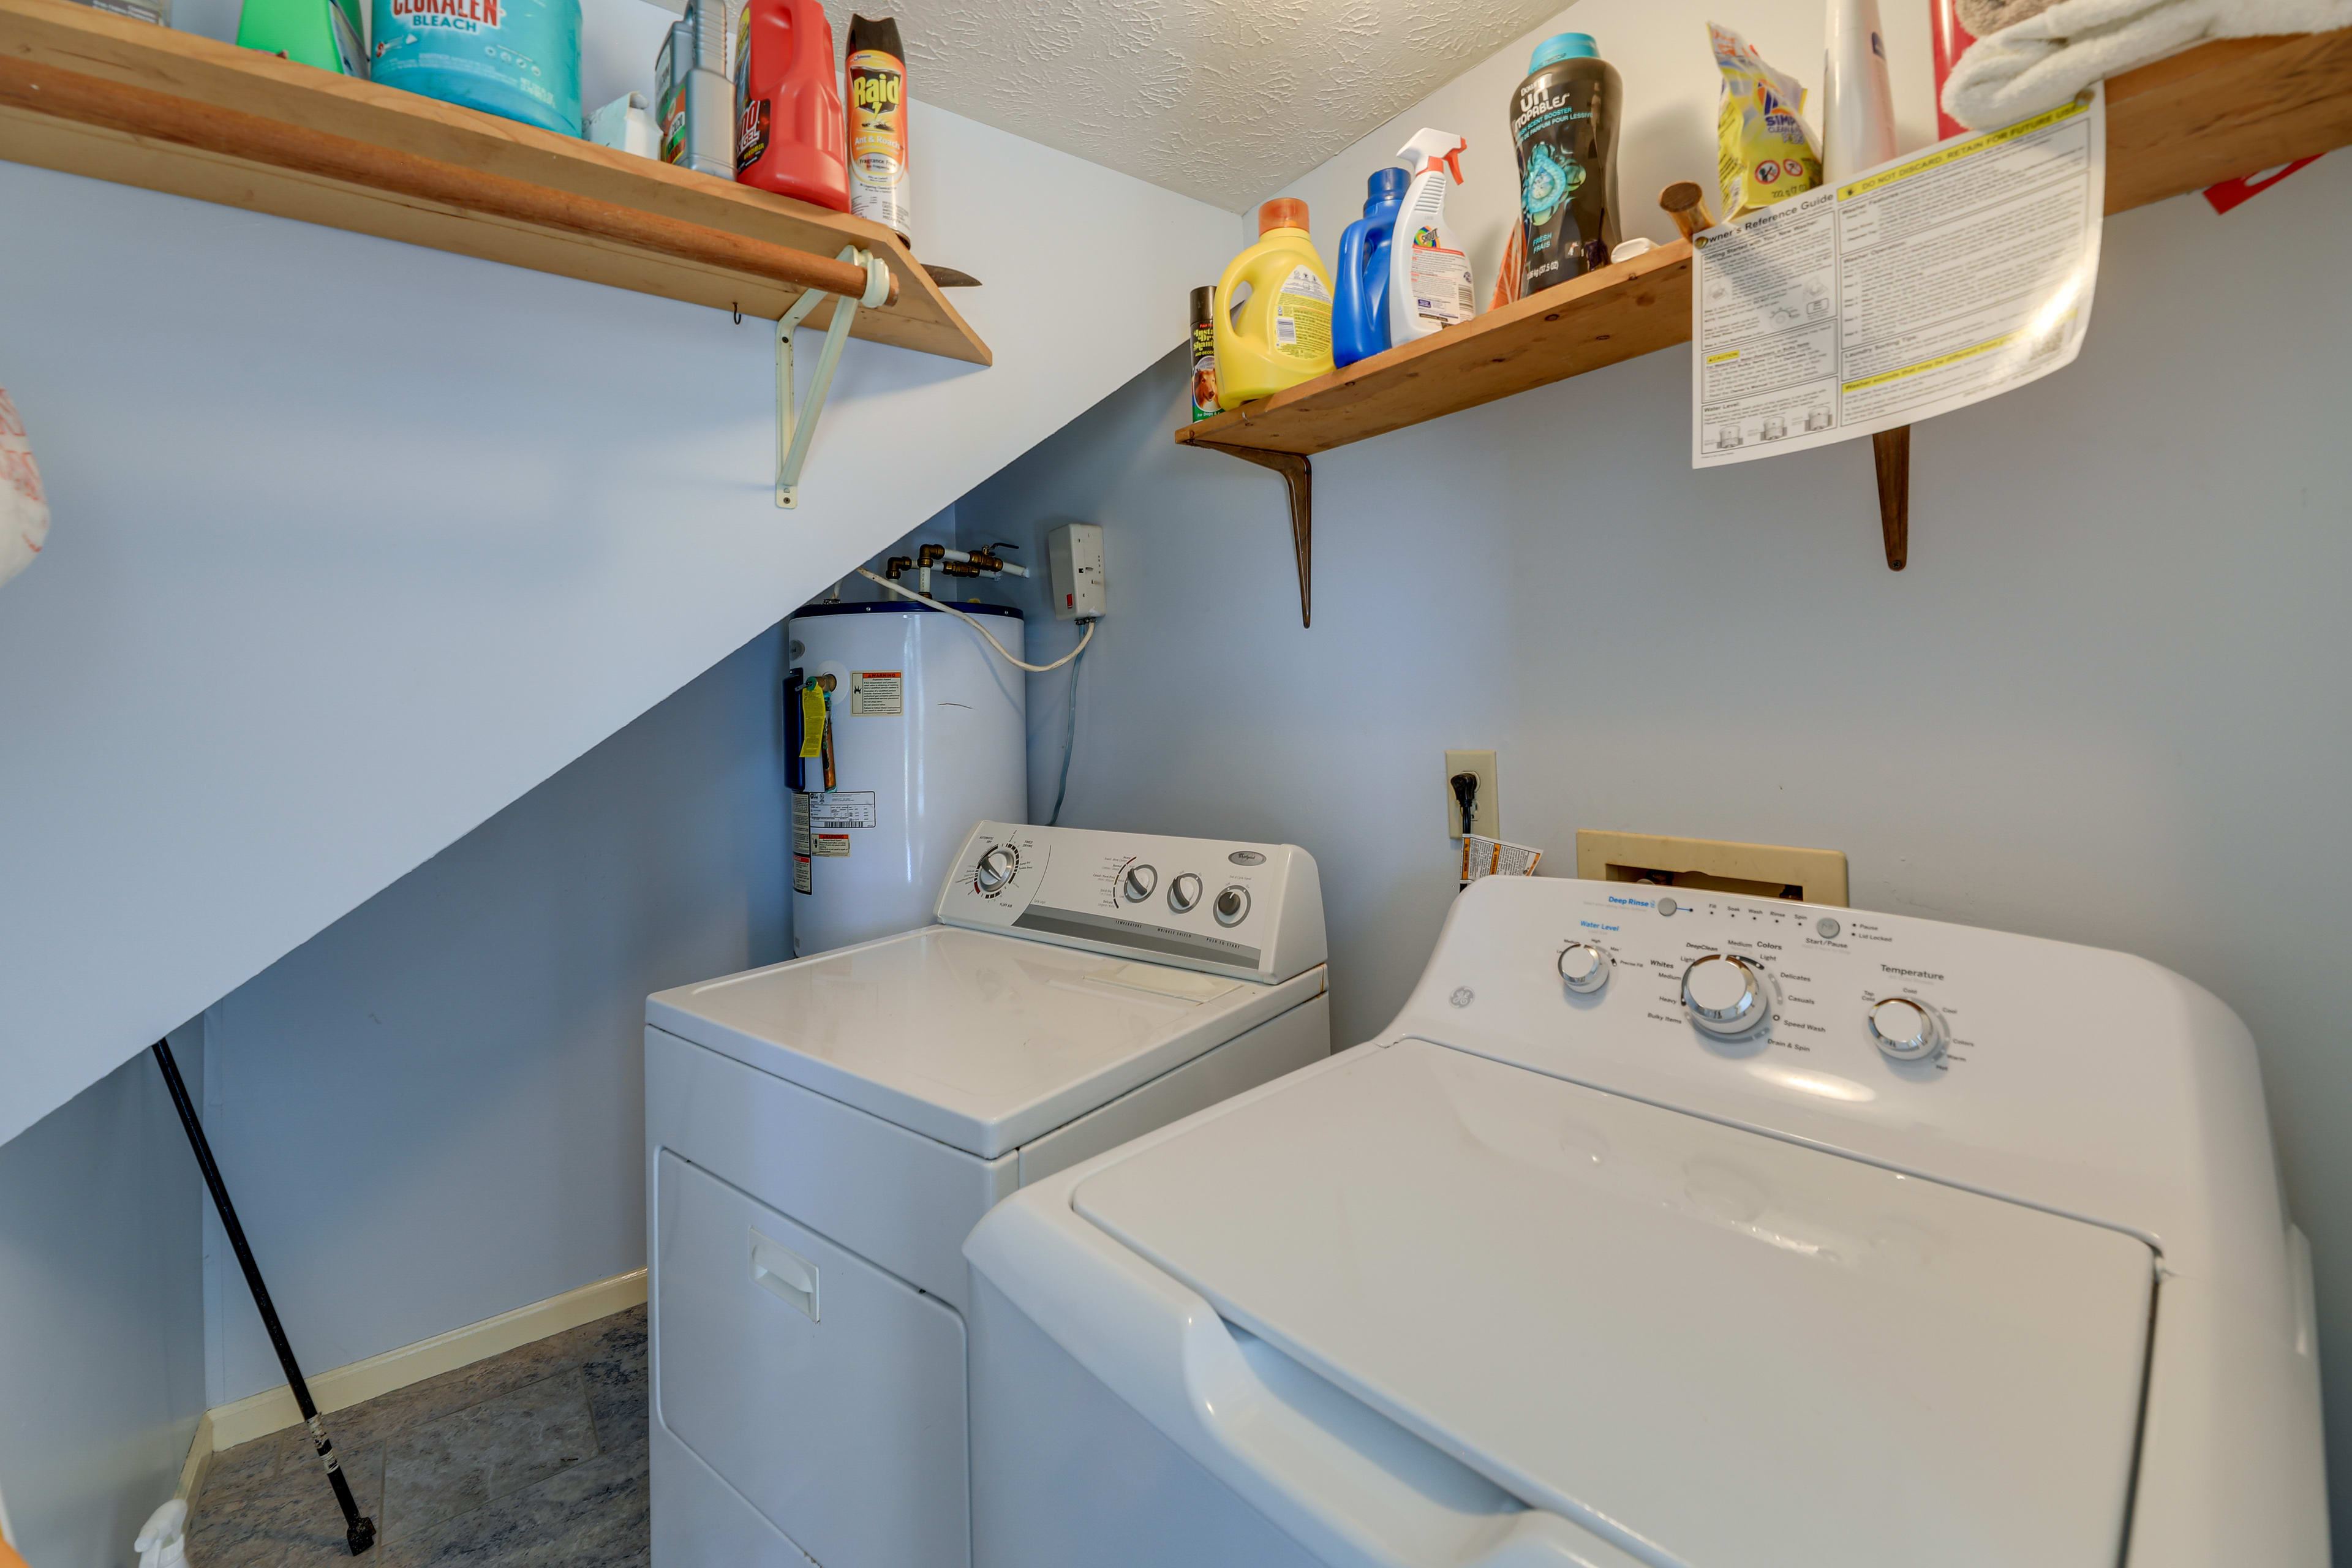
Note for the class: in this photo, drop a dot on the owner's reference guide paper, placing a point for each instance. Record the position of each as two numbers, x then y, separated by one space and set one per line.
1923 285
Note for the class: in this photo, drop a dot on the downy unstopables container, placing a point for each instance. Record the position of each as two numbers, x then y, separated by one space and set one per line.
1359 316
520 58
1282 334
1564 124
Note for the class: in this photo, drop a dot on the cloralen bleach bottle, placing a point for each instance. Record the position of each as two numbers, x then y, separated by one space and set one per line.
1429 273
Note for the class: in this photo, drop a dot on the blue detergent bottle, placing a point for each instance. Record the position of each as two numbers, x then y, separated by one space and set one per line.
1359 315
520 58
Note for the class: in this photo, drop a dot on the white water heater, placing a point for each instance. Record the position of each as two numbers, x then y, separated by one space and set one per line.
916 730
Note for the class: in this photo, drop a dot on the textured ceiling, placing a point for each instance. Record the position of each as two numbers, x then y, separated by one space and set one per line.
1222 99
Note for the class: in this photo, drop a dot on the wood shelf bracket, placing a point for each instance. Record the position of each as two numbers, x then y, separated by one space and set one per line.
1299 478
796 427
1890 452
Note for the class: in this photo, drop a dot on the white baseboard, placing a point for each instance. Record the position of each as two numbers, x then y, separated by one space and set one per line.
199 1462
273 1409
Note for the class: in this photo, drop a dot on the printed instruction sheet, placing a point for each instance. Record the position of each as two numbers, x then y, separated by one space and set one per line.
1924 285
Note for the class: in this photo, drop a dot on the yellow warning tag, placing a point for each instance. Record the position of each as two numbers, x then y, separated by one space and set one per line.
811 720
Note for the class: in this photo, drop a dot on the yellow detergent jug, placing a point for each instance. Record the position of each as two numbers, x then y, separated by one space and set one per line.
1284 334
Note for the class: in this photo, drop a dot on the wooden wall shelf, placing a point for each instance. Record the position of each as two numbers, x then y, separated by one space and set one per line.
89 93
2218 112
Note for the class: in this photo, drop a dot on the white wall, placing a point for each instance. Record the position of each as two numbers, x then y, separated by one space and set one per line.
2105 702
102 1314
356 543
433 1111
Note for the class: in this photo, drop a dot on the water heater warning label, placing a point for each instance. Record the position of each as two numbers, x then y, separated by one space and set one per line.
832 844
877 694
803 882
840 808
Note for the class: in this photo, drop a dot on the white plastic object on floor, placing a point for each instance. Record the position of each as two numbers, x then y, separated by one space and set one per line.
1493 1286
163 1543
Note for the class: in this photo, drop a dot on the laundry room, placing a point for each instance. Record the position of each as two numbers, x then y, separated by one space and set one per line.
1602 745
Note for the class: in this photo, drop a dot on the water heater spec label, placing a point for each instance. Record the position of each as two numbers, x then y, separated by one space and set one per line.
840 808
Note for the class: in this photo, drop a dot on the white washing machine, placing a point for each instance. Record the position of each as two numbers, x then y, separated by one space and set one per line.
1694 1231
823 1134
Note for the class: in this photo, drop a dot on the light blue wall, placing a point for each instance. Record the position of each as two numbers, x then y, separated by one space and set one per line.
102 1314
432 1112
2106 703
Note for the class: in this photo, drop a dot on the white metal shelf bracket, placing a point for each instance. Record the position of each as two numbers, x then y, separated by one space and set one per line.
796 427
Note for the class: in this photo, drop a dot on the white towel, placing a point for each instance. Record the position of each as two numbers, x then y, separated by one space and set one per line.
24 509
2044 60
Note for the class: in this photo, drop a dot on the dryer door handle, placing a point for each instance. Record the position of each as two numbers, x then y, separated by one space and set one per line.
785 1275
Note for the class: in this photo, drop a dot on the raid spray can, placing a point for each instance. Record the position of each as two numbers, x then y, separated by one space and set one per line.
1204 354
877 125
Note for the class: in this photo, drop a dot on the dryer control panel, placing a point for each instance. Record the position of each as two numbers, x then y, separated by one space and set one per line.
1251 911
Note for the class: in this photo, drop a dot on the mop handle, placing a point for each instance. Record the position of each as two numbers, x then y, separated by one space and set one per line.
359 1528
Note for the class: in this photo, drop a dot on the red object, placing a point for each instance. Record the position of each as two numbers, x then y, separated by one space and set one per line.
2230 193
791 136
1951 40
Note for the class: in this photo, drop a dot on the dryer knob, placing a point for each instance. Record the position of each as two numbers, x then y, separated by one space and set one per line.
1184 892
1138 884
1907 1030
1233 905
1584 966
1725 994
997 868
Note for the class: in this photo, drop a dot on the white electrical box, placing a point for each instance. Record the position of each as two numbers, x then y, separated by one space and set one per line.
1075 551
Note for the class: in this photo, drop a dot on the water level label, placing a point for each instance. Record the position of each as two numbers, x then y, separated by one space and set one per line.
1921 286
877 694
841 808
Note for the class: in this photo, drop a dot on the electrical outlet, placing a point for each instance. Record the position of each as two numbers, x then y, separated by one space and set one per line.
1486 807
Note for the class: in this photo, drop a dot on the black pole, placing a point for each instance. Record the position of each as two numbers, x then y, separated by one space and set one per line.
359 1528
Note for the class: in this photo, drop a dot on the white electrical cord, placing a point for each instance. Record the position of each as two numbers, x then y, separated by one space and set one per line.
974 621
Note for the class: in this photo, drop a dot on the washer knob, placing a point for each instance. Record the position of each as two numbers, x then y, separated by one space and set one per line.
996 868
1726 994
1907 1030
1233 905
1183 893
1139 882
1584 967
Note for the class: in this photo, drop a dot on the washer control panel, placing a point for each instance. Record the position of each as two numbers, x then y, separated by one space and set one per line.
1748 974
1244 909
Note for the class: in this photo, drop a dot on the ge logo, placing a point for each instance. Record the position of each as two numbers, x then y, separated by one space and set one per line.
1462 997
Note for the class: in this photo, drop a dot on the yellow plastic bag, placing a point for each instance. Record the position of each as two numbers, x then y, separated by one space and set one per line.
1765 152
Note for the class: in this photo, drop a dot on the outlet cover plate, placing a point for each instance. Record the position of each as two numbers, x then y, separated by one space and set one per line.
1758 870
1486 810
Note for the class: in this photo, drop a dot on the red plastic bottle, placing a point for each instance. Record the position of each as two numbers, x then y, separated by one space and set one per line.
790 132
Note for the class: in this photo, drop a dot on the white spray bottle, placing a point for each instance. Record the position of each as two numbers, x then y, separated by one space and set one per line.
1429 273
1857 101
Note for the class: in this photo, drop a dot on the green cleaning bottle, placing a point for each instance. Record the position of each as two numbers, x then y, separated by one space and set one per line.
322 33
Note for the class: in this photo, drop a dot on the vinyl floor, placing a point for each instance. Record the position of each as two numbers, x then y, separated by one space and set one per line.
530 1459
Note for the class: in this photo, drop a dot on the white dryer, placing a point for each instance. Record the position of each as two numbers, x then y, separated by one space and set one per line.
823 1134
1694 1231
